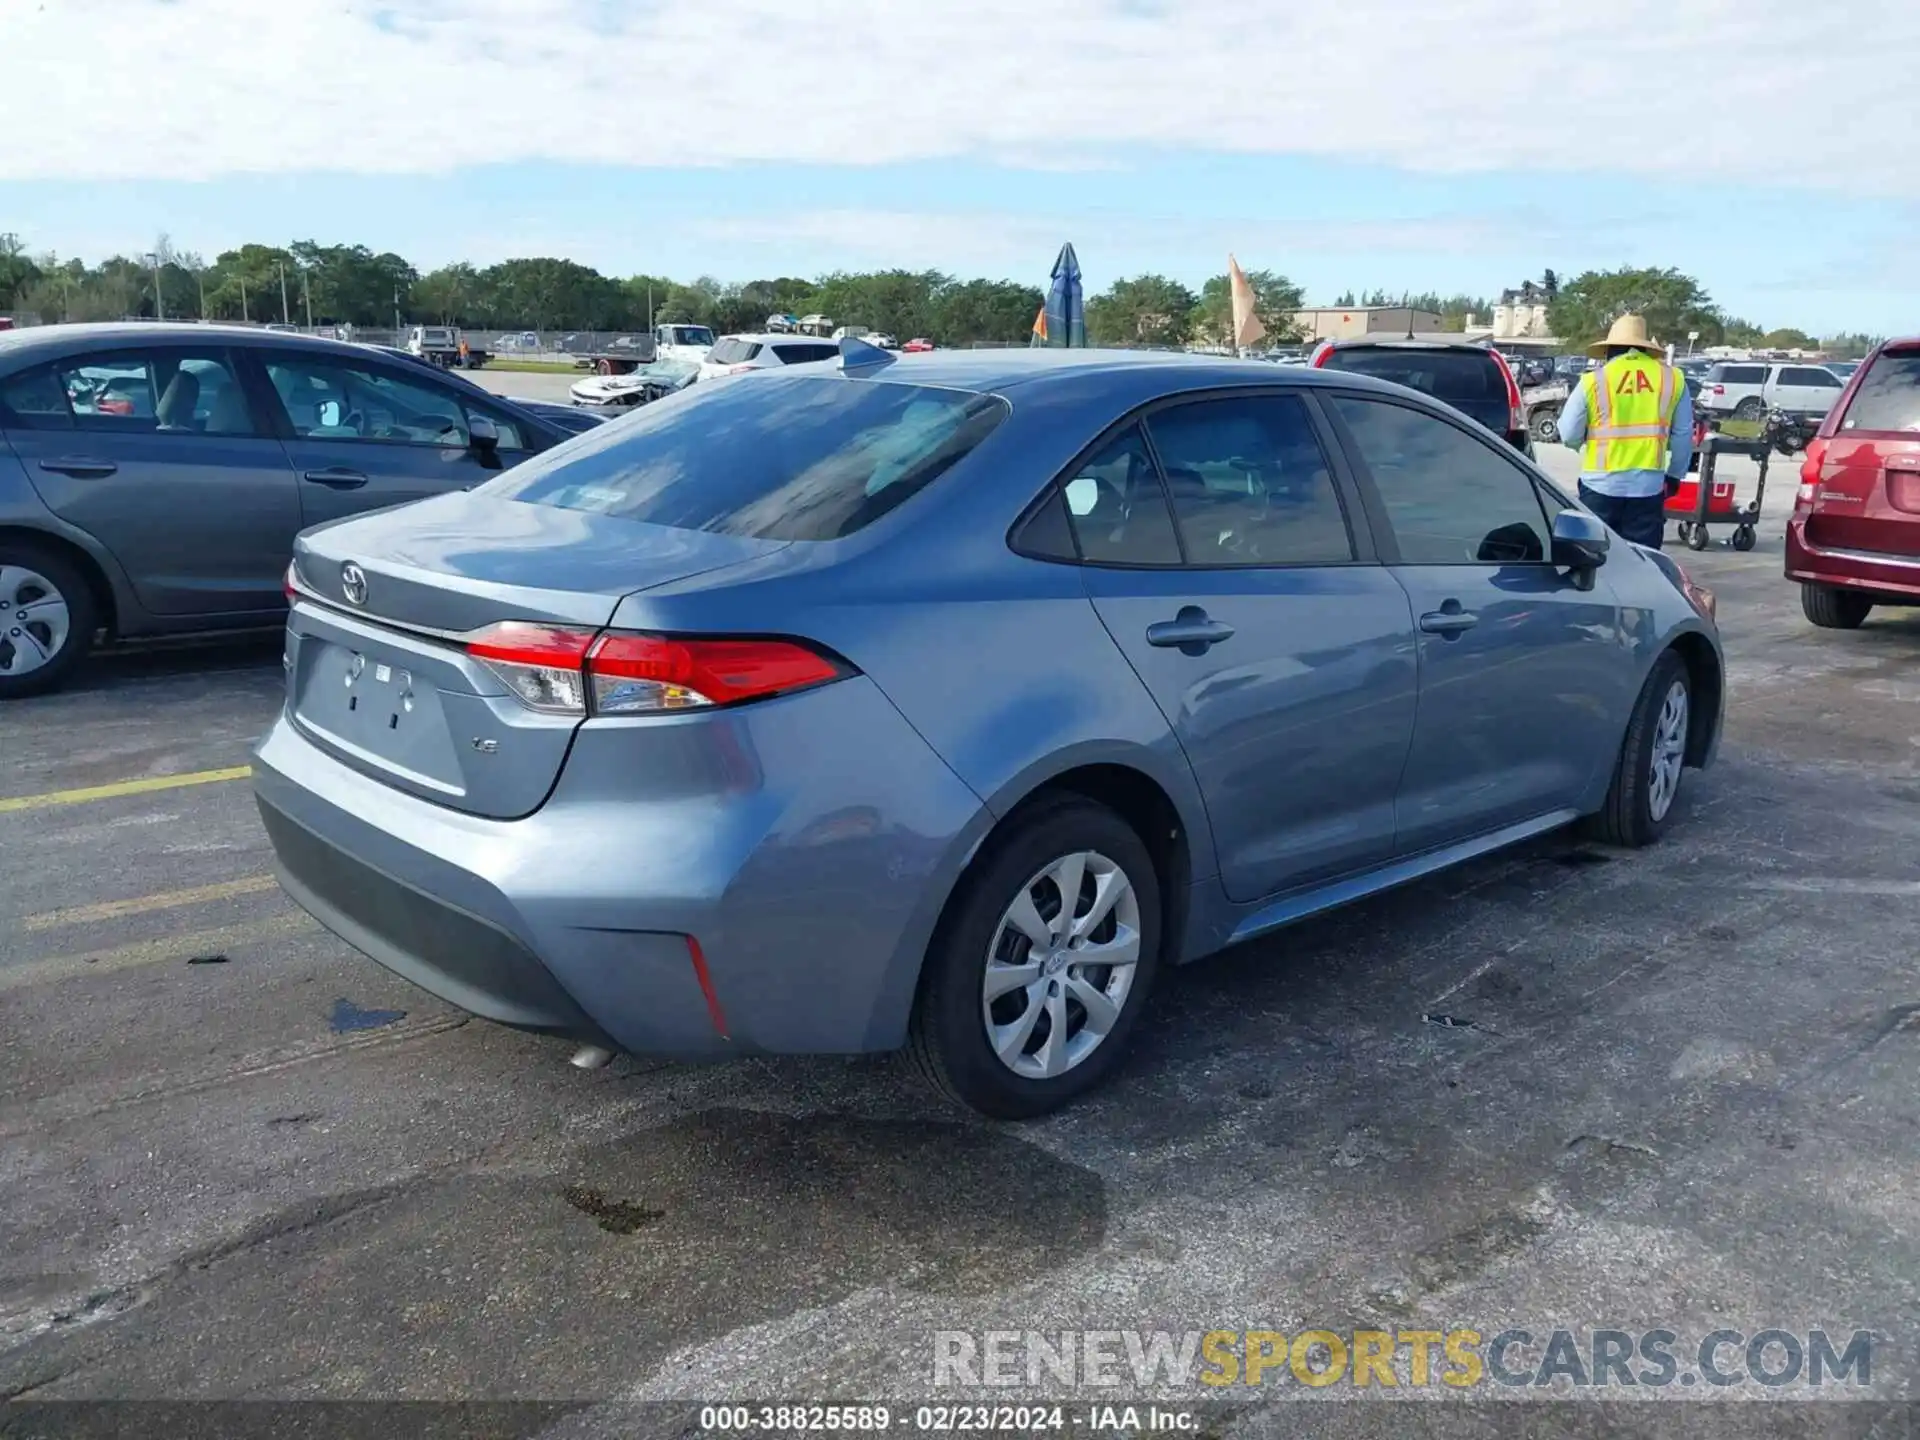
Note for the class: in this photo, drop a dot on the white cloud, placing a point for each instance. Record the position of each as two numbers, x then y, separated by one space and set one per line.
193 89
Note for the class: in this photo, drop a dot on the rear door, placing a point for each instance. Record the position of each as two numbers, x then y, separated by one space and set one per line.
363 434
1280 654
161 455
1867 497
1525 681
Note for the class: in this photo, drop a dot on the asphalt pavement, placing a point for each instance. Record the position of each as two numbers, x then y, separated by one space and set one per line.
1565 1086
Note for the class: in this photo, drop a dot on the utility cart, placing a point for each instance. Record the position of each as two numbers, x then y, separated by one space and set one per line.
1703 500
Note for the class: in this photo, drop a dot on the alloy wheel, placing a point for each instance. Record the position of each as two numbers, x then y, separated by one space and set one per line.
1669 752
1060 965
34 620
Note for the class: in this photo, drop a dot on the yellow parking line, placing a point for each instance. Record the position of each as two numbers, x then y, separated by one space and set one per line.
145 904
161 949
123 787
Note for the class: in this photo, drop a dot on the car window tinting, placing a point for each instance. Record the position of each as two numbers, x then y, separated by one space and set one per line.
1450 375
733 351
1118 508
36 401
789 457
1889 395
1048 533
326 399
1451 499
805 354
159 392
1249 483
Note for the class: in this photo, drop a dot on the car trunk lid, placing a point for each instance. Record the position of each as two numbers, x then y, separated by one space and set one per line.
379 675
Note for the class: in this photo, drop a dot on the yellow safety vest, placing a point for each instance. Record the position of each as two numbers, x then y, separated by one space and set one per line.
1630 409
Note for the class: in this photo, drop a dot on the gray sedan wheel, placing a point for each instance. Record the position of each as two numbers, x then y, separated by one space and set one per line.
47 620
1652 760
1042 962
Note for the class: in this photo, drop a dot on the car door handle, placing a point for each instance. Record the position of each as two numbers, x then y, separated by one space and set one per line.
80 468
1192 631
337 479
1448 620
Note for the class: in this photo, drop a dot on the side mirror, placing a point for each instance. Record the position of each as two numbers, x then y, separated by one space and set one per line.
1580 543
483 437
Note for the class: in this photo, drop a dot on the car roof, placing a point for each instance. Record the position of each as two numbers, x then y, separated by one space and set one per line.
776 337
44 342
1402 342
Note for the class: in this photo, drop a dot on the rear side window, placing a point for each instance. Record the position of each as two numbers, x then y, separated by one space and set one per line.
1249 483
790 457
1888 397
805 354
1740 374
164 392
1451 375
1811 376
1117 508
732 351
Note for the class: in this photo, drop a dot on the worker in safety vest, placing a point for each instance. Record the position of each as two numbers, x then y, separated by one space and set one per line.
1631 419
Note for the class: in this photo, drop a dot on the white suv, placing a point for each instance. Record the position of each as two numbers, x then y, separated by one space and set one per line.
731 354
1747 389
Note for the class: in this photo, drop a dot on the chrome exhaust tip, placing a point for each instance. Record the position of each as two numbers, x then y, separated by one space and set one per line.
591 1057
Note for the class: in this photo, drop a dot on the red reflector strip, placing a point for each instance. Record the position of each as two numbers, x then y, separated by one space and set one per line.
714 1012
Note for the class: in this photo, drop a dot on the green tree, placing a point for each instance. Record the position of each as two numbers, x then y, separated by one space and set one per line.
1672 303
995 312
1743 333
1849 346
18 272
1150 310
447 296
1787 338
1275 298
900 303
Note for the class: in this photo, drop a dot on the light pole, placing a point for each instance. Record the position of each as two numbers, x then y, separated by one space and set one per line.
159 303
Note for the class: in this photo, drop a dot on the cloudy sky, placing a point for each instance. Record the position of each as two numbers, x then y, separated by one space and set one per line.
1770 147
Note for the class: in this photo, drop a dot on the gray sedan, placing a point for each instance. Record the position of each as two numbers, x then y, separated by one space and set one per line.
152 477
941 701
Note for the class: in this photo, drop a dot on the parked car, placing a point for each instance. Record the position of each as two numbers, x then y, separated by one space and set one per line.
1472 379
1746 390
1853 541
614 394
919 345
152 477
941 702
1843 368
734 354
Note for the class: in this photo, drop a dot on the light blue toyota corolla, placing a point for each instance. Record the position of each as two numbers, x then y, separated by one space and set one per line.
941 701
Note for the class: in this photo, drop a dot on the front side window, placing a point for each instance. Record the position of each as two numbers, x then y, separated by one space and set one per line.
1249 483
1452 499
329 399
161 392
792 456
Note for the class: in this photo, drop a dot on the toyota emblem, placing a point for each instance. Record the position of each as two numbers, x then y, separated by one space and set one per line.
353 583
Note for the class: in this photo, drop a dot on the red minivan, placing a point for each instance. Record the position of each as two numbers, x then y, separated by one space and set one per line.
1854 539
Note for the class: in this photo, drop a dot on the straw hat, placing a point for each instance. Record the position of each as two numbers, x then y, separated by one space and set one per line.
1628 332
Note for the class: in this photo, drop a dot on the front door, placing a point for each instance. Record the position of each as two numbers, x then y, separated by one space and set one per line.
1282 661
1525 679
365 435
157 453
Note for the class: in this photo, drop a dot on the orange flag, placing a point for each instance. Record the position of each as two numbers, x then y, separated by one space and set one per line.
1040 327
1246 325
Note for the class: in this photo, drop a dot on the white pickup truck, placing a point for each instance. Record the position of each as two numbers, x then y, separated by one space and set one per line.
442 345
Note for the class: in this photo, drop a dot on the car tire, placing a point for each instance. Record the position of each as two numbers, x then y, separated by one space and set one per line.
38 655
1834 609
1749 408
1648 770
949 1040
1546 426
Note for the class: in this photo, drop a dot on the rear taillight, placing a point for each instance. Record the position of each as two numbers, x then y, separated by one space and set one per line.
1322 355
576 672
1719 389
736 369
1516 412
287 585
1810 465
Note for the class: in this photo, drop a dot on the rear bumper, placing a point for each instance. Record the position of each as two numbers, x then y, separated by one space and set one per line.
805 844
1852 569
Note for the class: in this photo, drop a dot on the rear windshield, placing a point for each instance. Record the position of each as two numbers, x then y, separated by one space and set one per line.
1889 395
1444 374
796 457
805 354
732 351
689 335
